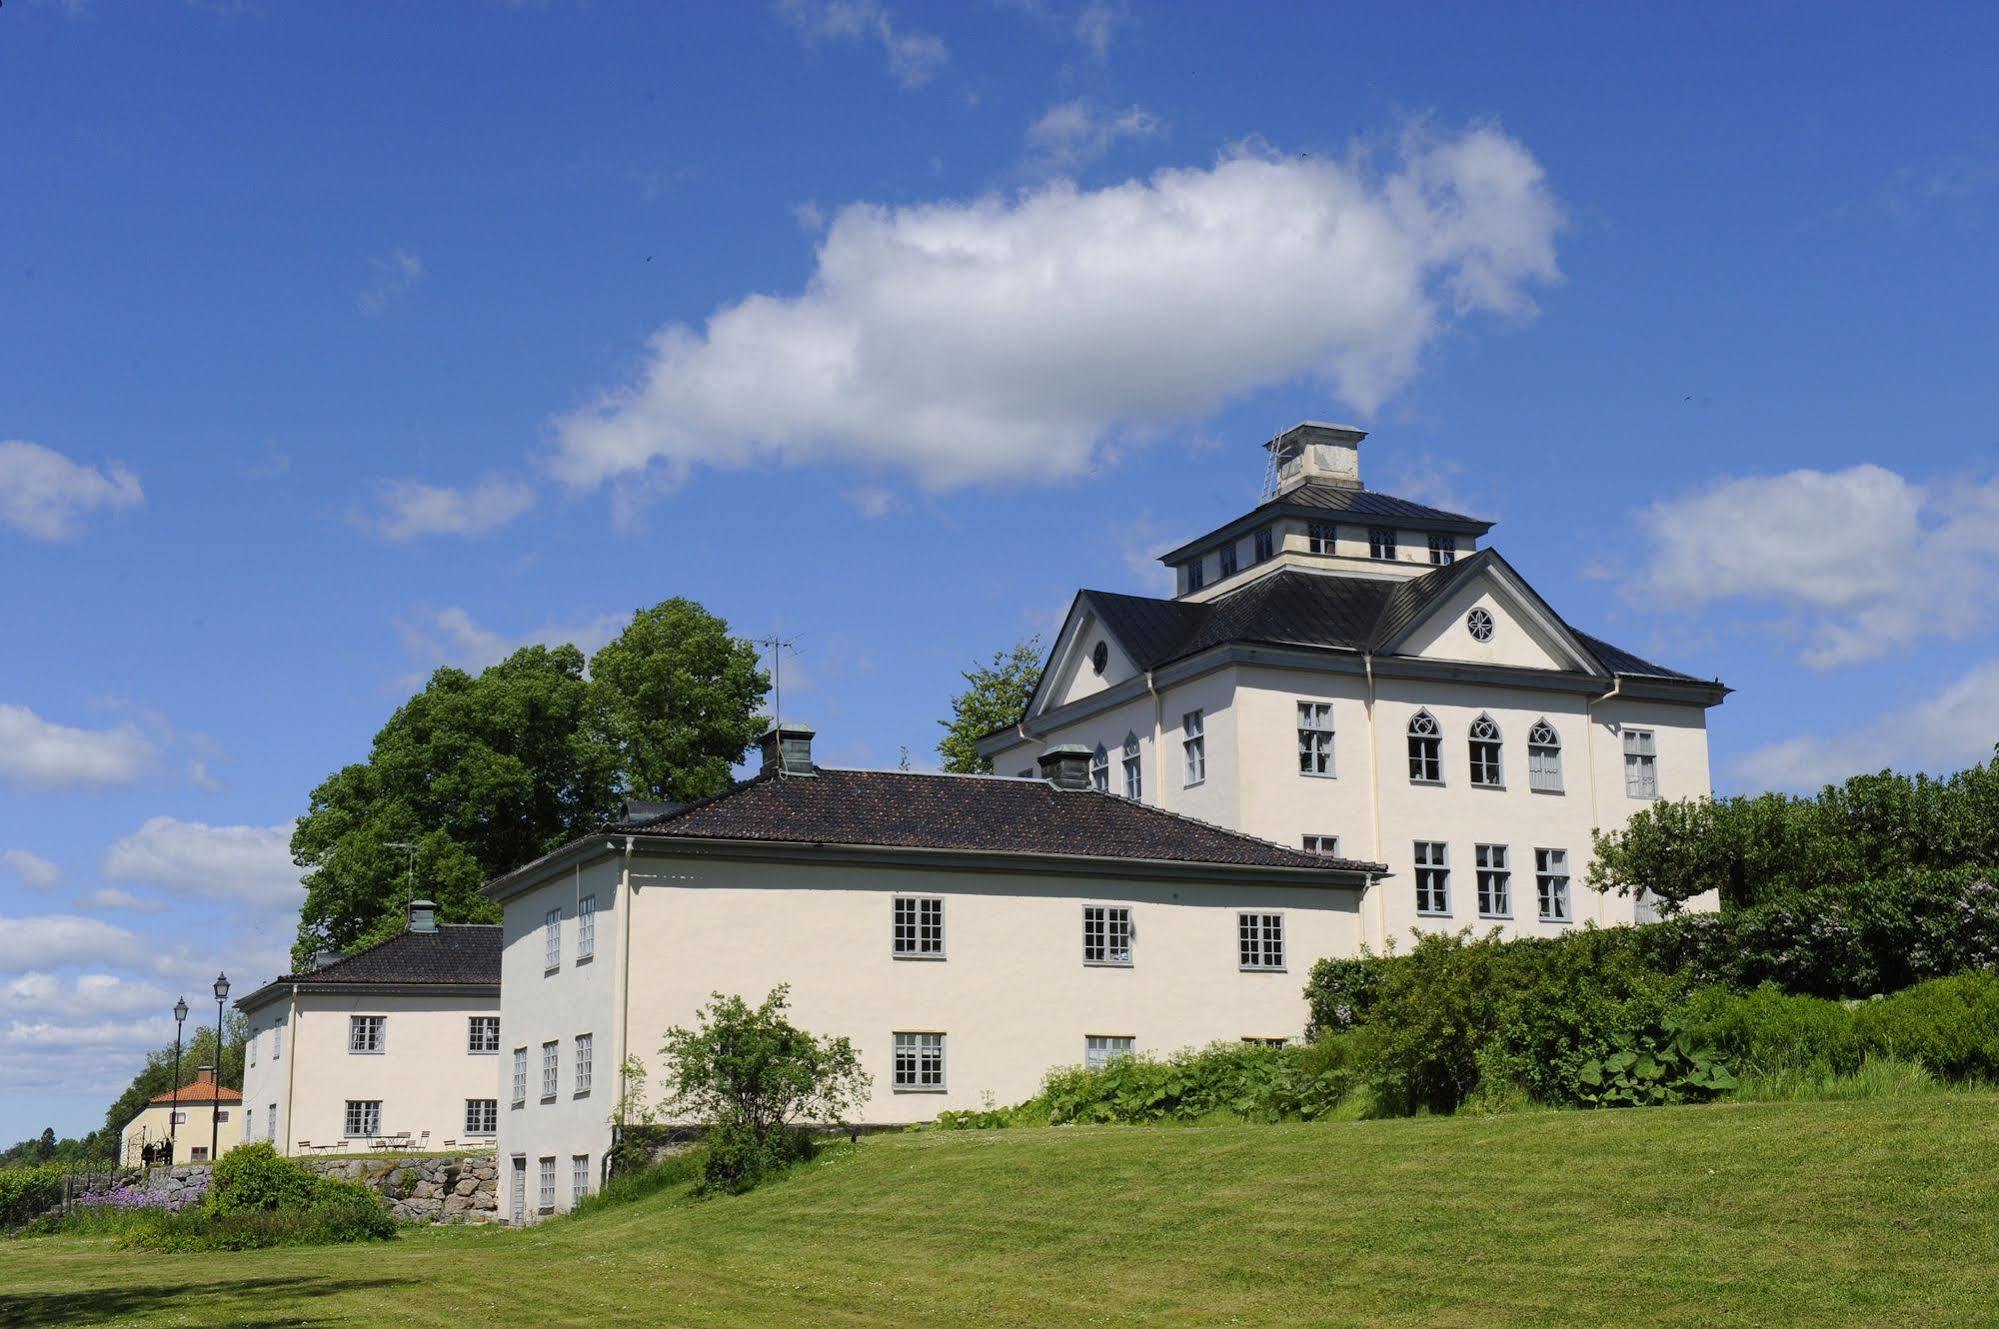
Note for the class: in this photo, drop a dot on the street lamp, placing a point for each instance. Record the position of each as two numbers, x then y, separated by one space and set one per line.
215 1099
173 1110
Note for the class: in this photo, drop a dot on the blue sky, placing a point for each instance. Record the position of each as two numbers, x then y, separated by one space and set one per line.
336 344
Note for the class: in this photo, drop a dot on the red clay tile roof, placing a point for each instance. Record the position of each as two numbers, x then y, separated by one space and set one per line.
198 1095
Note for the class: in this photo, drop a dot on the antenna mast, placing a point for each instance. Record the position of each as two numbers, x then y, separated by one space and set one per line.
777 646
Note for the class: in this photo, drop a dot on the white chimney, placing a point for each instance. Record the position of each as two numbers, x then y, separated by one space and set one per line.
1315 453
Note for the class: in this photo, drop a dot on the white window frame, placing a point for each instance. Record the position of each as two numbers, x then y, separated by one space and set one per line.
916 927
1100 769
1316 745
480 1030
1493 870
586 928
1426 749
1260 941
1551 886
1432 860
579 1177
1485 746
520 1076
1641 763
1544 758
1323 537
1443 549
1326 846
545 1191
270 1123
368 1118
367 1035
919 1065
551 940
1108 935
551 1069
1383 544
1100 1050
1134 776
1194 746
278 1039
583 1055
482 1116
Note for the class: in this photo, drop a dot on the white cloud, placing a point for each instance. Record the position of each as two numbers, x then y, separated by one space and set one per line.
913 57
451 636
45 495
48 941
109 898
410 509
33 870
873 501
394 275
1009 339
244 865
1947 732
1856 555
38 994
1096 24
1072 134
38 753
199 775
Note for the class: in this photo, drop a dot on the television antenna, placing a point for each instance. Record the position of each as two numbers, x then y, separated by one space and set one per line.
777 646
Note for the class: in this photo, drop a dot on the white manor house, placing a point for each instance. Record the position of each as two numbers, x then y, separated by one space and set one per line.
1350 672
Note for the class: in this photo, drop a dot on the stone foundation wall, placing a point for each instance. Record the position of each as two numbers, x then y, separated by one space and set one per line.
423 1189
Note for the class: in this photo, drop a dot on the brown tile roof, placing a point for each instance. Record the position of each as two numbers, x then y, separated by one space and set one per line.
199 1095
978 814
453 953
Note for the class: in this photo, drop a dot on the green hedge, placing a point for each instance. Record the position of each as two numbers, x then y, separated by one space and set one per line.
28 1191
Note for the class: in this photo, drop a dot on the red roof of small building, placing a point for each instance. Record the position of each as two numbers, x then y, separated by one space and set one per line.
197 1095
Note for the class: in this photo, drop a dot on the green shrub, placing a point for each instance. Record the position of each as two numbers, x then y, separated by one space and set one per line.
1768 1030
1653 1067
636 1183
28 1191
1876 1077
1340 992
1950 1025
346 1215
257 1176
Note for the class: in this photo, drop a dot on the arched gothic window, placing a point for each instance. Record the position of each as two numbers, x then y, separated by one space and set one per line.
1426 755
1544 758
1134 786
1100 770
1485 743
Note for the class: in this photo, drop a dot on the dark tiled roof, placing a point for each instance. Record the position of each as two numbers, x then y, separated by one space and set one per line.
1314 500
454 953
1292 608
976 814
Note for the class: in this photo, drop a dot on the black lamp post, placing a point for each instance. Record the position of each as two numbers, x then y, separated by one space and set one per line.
173 1111
215 1100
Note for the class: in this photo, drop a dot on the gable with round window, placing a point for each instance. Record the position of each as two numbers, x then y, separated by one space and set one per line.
1479 623
1099 658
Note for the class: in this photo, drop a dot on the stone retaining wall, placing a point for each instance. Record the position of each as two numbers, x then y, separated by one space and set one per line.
421 1189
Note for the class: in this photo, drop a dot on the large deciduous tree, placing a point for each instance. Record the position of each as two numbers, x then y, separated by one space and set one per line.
995 696
485 772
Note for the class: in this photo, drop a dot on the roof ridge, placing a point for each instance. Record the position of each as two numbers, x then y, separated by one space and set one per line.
1317 859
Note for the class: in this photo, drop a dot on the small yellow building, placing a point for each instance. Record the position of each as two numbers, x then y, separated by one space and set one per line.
190 1116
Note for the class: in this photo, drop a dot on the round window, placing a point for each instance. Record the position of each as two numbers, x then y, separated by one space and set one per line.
1479 623
1100 657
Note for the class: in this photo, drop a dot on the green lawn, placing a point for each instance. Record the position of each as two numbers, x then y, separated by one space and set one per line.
1876 1212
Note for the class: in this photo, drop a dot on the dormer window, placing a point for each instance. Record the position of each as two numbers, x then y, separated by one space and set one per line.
1381 542
1263 545
1443 549
1228 559
1194 578
1324 537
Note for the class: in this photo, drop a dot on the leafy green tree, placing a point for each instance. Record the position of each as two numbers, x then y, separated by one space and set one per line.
484 773
754 1078
995 695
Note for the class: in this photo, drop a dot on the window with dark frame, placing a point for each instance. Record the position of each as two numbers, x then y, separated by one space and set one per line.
1194 578
919 927
1322 537
1443 549
1262 543
1227 557
1381 542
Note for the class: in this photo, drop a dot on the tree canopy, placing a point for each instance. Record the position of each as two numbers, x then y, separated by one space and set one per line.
486 772
1756 849
157 1077
995 695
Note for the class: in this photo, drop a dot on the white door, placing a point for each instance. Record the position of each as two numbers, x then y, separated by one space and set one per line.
520 1198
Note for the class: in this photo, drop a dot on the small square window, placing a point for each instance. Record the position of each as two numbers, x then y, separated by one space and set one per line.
1327 846
919 928
367 1033
482 1033
1100 1050
482 1116
919 1062
1322 538
1380 542
1107 934
1260 941
364 1118
1443 549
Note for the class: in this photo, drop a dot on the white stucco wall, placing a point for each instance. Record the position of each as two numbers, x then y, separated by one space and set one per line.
422 1078
1013 996
191 1137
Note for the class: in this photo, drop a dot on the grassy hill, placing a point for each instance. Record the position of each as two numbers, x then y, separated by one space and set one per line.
1874 1212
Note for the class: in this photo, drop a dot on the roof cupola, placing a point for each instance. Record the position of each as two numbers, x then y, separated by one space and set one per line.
1315 453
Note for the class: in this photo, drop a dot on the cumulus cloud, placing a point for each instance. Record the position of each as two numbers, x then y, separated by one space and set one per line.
913 57
41 754
45 495
1072 134
409 509
394 275
1854 554
451 636
1008 339
49 941
38 993
1949 731
243 865
1096 24
33 870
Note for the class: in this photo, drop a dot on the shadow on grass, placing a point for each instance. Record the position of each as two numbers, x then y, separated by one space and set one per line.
233 1302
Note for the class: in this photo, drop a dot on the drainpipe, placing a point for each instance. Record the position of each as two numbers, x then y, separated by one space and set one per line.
627 893
1158 740
291 1072
1589 753
1374 798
